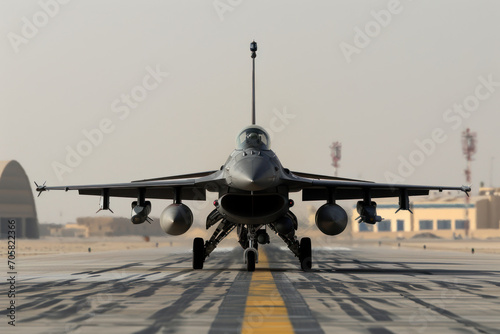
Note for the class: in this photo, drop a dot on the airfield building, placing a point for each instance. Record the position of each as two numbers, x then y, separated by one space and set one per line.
443 216
16 201
113 226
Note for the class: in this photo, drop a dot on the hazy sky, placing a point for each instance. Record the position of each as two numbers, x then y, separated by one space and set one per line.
168 85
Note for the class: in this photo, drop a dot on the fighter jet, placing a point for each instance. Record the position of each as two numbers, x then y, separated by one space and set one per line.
253 190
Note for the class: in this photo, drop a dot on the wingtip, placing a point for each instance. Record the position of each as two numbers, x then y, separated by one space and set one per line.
466 189
41 188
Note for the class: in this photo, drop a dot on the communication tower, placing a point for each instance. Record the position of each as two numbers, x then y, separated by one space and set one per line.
336 154
469 149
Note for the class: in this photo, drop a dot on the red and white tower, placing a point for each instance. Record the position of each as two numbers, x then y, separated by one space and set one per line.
336 154
469 149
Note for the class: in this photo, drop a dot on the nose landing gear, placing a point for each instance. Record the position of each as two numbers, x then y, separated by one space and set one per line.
251 254
250 258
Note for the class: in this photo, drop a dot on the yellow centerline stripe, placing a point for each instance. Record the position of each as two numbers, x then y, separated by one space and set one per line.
265 309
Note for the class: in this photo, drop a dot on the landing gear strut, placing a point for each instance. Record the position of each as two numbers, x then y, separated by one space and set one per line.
249 237
201 249
251 254
301 249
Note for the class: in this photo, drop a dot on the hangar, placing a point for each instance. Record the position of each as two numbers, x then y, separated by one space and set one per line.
17 202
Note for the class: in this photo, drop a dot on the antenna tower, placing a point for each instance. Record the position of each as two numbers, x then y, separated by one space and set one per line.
469 149
336 155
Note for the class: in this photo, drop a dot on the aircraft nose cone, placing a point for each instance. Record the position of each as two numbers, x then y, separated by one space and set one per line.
253 174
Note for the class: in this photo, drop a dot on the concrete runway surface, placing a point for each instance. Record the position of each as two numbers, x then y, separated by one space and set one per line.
350 290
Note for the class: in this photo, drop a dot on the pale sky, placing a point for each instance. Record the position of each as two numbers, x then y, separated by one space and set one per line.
378 76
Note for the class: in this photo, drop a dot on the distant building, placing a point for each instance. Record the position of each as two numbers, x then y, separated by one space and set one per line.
17 202
75 230
440 215
111 226
68 230
51 230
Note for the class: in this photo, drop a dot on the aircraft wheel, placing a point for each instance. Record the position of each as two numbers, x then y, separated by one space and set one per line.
250 261
198 253
305 254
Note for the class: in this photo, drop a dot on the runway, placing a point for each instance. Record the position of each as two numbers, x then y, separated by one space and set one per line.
350 290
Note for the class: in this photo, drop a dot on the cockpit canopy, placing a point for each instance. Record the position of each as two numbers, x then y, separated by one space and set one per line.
253 136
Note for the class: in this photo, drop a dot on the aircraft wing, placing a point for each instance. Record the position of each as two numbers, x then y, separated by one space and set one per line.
318 189
181 187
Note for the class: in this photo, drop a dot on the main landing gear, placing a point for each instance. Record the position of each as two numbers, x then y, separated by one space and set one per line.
198 253
305 254
249 237
304 251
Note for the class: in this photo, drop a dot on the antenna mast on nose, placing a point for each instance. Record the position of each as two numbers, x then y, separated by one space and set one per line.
253 48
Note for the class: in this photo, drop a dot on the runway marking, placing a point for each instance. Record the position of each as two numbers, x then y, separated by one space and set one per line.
265 308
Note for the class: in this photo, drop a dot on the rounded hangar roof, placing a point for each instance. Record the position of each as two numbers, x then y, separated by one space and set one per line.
16 195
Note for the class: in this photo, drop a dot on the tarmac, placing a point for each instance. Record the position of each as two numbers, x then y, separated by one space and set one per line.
353 288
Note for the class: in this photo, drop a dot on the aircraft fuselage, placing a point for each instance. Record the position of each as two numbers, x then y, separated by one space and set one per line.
254 195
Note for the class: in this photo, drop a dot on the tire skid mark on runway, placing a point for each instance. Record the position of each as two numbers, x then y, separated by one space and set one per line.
74 304
81 302
367 266
182 259
339 291
152 287
406 293
496 283
453 316
464 288
301 317
144 276
229 318
448 314
348 303
379 330
158 284
223 281
93 272
351 311
371 270
299 313
39 303
61 311
101 309
402 265
169 317
207 306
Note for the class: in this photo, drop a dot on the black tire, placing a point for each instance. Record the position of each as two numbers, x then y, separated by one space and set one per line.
305 251
198 253
250 261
